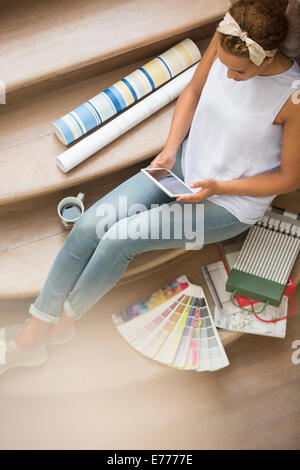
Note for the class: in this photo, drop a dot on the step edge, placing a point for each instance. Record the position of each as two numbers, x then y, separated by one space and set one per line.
128 276
116 52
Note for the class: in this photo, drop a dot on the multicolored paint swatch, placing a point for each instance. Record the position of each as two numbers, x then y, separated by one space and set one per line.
150 302
179 333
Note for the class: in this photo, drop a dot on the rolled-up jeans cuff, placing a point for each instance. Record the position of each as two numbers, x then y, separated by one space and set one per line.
42 315
70 312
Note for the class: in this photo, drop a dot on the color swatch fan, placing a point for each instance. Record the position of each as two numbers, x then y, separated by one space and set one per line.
151 301
179 333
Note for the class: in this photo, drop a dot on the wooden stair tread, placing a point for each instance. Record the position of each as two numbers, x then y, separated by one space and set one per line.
29 145
36 260
290 201
30 240
24 227
61 36
229 337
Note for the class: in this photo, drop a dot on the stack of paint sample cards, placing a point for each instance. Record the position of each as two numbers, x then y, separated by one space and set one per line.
179 332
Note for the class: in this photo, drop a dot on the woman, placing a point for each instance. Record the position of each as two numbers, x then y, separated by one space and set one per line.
241 151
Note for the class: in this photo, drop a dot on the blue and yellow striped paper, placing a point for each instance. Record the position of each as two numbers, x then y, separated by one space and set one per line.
126 91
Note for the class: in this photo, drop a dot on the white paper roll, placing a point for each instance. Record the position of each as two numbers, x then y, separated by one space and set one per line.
126 121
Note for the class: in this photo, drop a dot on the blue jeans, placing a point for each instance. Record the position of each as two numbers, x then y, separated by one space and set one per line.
88 266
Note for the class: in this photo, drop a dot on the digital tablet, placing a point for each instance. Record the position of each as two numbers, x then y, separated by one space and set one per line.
167 181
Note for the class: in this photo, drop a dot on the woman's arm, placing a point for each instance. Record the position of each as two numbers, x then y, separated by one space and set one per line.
285 180
188 99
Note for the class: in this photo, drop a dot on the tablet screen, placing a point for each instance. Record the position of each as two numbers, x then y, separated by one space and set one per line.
169 181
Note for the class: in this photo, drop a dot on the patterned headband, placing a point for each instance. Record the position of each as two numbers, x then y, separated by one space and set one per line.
257 53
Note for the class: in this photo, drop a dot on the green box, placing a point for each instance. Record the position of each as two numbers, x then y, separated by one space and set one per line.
254 287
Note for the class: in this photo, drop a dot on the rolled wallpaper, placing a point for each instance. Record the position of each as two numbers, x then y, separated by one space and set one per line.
126 91
121 124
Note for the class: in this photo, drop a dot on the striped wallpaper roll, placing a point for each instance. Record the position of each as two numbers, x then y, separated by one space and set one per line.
112 130
126 91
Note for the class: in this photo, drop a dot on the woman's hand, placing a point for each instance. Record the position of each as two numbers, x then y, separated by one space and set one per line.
164 159
208 188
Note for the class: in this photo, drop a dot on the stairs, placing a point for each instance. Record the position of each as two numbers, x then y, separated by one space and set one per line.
56 55
48 45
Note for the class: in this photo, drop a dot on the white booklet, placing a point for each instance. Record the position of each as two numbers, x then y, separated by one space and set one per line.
247 323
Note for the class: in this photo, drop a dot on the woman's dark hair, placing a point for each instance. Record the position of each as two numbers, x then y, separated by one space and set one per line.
264 21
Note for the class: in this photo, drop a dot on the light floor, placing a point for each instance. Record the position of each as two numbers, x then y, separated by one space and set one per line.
97 392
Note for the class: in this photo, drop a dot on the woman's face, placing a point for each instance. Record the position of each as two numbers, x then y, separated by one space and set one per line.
240 68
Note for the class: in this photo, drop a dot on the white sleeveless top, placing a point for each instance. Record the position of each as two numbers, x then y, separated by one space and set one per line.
232 135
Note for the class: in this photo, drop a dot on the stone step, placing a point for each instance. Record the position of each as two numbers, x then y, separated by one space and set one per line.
47 45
